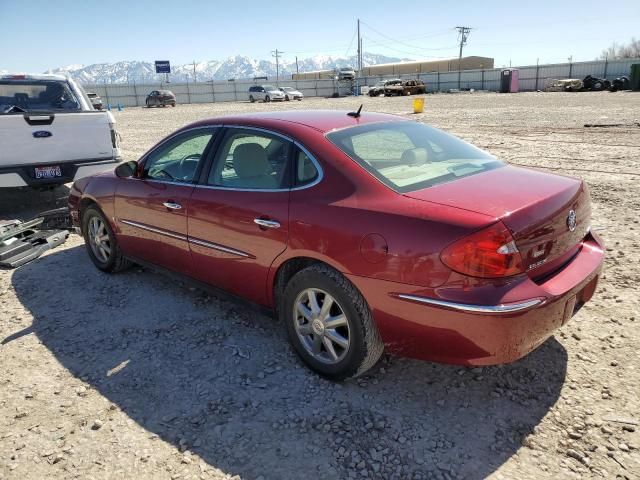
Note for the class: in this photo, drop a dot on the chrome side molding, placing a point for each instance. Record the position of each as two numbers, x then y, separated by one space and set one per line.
463 307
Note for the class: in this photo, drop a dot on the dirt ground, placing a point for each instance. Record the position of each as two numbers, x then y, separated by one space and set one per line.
138 376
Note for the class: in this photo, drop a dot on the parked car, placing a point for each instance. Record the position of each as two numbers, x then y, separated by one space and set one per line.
96 101
50 133
291 93
346 73
380 87
160 98
266 93
362 231
408 87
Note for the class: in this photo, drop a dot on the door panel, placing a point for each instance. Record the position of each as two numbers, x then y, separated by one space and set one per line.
150 231
229 250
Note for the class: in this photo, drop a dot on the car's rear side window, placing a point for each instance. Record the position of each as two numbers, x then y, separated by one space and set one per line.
37 95
306 171
408 156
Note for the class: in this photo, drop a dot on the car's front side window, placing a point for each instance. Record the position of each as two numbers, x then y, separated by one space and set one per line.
178 160
248 159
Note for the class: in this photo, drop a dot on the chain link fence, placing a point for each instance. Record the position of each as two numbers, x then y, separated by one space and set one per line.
532 77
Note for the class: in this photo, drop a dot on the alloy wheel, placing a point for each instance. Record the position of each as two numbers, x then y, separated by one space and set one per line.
99 239
321 325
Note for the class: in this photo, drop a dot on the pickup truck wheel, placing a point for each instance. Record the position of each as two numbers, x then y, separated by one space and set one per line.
329 323
101 242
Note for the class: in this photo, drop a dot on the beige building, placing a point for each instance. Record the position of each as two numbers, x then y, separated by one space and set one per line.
408 68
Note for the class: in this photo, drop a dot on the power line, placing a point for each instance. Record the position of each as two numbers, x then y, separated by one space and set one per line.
395 40
406 52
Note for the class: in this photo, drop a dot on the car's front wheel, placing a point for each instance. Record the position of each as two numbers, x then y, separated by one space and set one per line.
251 99
101 242
267 98
329 323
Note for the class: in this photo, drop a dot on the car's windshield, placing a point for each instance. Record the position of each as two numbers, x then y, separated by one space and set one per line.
346 69
36 95
286 89
408 156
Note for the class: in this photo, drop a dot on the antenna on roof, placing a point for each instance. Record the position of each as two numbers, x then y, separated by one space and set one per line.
355 114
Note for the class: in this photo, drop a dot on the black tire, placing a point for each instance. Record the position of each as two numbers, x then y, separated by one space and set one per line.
286 98
116 262
597 85
267 99
365 343
148 104
251 99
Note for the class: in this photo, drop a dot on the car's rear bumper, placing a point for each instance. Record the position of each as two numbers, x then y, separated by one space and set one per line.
416 322
24 175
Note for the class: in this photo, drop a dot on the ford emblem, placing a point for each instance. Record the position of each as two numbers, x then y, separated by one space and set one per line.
572 220
42 134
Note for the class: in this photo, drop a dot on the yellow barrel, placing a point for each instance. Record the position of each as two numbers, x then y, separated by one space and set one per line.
418 105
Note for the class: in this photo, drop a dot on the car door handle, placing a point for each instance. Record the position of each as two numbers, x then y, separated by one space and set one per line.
266 223
172 205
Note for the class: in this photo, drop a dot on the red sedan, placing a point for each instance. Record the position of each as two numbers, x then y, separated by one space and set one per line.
363 232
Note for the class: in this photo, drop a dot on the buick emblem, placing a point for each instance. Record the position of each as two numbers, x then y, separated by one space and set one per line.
572 220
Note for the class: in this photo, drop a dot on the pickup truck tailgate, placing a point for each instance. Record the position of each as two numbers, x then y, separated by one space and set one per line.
30 138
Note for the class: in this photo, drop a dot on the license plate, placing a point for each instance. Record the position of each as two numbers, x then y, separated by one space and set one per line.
48 172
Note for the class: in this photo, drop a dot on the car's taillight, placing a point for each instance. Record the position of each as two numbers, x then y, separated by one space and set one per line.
489 253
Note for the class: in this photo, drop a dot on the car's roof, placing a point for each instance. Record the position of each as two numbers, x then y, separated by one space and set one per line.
322 120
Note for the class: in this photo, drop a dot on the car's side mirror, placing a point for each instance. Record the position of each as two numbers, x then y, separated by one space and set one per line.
127 169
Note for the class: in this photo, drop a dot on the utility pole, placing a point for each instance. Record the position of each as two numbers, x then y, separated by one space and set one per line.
463 34
359 61
195 78
277 53
297 65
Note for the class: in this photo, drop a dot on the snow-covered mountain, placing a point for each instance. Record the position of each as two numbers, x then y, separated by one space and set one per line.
238 67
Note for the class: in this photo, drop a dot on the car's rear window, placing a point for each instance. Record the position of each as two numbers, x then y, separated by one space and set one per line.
35 95
408 156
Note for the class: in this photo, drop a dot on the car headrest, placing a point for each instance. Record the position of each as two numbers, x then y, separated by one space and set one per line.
250 160
415 156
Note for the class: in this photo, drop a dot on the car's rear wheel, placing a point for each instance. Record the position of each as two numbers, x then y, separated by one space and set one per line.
267 98
251 99
101 242
286 98
148 104
329 323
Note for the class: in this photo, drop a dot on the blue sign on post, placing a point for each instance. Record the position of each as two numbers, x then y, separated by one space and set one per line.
162 66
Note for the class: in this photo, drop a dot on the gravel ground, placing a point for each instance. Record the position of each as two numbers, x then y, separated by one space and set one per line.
139 376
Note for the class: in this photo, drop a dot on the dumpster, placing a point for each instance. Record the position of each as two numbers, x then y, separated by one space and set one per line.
509 80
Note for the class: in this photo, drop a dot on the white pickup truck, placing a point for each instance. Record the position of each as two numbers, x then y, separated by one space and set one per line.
50 133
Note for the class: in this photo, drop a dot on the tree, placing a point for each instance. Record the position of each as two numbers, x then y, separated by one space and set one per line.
617 51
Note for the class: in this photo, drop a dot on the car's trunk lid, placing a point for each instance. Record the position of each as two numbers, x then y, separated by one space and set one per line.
535 206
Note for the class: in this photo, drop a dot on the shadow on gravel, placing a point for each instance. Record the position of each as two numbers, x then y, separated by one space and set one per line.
25 203
217 379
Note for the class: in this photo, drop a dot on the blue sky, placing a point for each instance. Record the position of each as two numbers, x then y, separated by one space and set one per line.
41 34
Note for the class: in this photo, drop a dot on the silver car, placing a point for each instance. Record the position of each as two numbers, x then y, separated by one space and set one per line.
291 93
266 93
